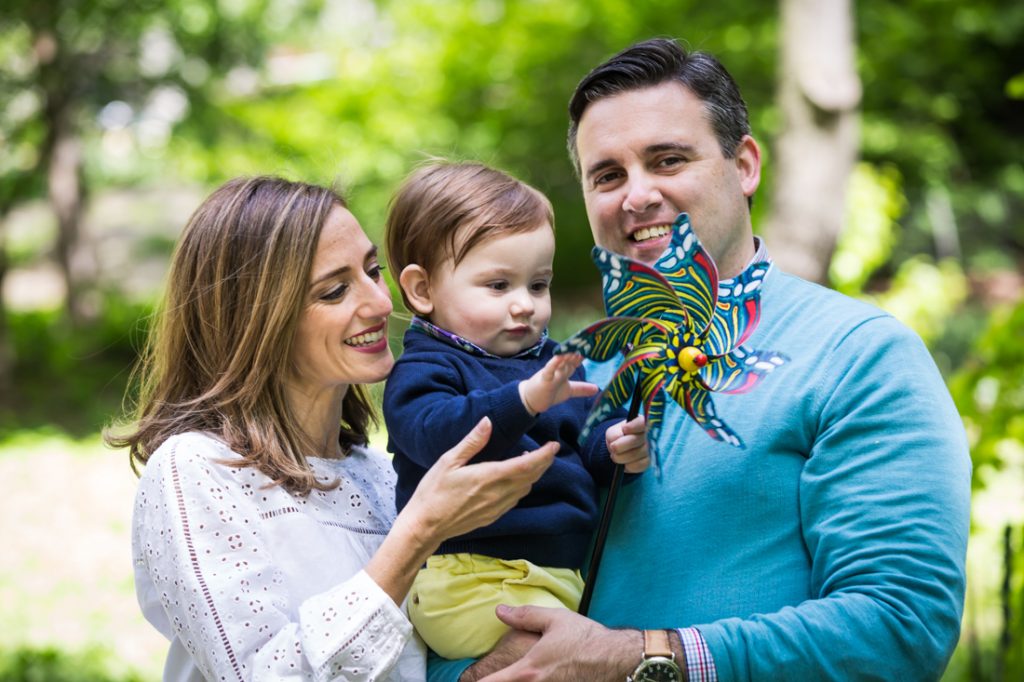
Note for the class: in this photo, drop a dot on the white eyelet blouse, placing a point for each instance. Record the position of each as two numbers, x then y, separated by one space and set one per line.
249 582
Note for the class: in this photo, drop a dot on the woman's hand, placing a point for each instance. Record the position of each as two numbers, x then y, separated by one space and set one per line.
453 498
456 497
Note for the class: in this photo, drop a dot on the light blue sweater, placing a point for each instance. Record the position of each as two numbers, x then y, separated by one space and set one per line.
833 546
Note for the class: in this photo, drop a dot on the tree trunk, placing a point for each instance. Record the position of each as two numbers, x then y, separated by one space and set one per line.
62 155
819 92
65 189
6 352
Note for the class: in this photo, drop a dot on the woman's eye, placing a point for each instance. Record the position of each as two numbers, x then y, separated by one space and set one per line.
375 272
335 293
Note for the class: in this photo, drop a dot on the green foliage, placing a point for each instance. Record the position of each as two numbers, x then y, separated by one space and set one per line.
70 379
874 204
487 80
938 104
924 295
989 392
52 665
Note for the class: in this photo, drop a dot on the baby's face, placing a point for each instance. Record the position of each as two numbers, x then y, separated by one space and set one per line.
499 296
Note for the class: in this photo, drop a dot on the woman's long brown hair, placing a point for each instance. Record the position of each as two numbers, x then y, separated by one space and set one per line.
219 354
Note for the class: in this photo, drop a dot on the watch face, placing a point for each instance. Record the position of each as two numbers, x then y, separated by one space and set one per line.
658 670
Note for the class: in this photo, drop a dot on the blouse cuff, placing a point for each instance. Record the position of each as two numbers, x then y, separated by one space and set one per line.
353 630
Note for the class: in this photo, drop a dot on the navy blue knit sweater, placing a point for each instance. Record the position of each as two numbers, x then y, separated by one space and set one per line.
433 398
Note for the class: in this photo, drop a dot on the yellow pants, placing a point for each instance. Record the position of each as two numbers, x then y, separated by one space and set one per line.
452 600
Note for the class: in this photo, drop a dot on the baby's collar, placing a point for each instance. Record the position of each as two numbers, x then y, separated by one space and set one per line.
430 329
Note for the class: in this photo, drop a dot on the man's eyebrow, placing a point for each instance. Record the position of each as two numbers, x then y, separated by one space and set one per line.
596 168
658 148
337 272
670 147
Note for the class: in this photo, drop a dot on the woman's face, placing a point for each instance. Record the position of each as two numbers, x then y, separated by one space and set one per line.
342 335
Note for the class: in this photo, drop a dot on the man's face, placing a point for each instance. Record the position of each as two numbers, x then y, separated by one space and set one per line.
647 155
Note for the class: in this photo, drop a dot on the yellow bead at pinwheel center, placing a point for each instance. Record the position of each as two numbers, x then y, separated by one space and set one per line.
691 359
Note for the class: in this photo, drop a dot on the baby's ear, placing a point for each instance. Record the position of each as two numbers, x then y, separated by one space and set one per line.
416 285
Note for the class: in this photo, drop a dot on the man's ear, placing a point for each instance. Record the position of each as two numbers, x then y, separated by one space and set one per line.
748 164
416 285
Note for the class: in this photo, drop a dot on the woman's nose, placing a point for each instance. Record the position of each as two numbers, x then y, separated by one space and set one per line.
641 195
377 302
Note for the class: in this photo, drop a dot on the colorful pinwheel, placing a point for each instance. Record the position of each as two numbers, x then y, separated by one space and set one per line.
681 331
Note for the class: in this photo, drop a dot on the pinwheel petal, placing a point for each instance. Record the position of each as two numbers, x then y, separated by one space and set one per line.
654 415
604 339
738 310
691 272
630 287
740 370
698 403
616 394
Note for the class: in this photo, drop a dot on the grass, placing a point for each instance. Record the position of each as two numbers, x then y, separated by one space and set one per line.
66 585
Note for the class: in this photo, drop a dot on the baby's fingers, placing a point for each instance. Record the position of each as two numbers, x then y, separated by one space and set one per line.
582 389
636 425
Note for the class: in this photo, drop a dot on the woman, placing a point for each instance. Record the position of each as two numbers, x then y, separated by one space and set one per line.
264 534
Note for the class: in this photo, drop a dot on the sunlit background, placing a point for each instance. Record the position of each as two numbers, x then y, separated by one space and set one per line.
894 147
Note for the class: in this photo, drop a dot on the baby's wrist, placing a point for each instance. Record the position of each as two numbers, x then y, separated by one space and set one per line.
524 397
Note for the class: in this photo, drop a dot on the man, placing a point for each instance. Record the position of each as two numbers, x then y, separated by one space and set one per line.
833 546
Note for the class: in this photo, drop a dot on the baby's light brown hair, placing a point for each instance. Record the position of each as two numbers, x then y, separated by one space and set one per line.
439 198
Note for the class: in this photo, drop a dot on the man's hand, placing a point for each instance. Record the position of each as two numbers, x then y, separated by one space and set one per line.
570 648
551 385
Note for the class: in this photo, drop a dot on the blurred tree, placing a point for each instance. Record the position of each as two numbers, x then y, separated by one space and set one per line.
78 68
940 108
819 93
76 71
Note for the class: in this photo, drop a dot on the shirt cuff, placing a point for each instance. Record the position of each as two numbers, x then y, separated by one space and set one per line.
700 667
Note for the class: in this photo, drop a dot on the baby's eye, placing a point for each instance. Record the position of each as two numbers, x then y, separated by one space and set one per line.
499 285
335 294
540 286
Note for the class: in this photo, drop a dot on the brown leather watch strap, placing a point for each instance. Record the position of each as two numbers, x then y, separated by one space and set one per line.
656 643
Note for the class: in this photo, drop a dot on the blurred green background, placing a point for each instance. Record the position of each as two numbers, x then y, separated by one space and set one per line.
116 118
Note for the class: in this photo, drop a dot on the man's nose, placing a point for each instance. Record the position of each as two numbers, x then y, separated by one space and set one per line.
642 194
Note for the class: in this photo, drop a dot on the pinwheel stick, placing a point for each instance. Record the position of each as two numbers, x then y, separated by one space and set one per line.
606 512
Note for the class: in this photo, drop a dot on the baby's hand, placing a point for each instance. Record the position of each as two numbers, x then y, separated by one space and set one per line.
627 443
551 384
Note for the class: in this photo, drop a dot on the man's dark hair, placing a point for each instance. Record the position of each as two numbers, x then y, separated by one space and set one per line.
658 61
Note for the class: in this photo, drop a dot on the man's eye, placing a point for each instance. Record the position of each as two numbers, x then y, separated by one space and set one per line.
606 178
335 293
669 161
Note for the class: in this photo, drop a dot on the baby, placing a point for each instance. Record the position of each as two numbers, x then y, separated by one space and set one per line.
472 249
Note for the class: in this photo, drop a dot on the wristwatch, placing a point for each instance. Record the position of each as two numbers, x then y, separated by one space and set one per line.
658 663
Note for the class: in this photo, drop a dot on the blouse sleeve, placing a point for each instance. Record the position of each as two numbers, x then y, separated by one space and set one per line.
200 554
